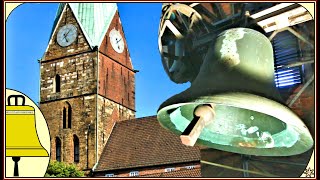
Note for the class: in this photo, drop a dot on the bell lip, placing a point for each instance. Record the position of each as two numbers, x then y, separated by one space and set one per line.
26 152
250 102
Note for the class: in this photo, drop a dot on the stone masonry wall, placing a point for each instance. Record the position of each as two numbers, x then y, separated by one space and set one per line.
83 113
77 76
76 65
109 112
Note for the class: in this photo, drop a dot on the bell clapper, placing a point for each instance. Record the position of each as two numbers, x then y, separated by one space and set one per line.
16 167
203 115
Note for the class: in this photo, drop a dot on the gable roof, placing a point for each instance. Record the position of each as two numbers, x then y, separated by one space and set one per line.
141 143
93 18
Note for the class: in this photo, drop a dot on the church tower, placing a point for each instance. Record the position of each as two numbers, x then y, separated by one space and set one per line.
87 81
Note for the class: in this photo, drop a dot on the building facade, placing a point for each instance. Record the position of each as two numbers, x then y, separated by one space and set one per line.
87 81
143 148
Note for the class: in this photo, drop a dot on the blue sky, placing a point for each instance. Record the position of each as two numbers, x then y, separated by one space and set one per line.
27 34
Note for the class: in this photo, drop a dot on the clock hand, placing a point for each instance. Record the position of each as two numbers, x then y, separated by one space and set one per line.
65 37
119 40
68 32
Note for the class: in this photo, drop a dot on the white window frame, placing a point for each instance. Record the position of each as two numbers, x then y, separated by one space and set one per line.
109 175
169 169
134 173
190 167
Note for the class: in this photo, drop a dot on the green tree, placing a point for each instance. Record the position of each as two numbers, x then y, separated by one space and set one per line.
61 169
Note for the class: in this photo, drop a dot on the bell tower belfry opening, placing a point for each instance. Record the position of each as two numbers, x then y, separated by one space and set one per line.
87 81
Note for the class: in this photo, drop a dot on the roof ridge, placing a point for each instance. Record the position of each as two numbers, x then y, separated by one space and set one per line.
135 119
131 121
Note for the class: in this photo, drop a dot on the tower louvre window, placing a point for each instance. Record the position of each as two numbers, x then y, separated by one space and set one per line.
58 149
76 152
57 83
286 51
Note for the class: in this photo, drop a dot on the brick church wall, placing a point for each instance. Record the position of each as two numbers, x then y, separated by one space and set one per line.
116 82
106 48
116 76
116 85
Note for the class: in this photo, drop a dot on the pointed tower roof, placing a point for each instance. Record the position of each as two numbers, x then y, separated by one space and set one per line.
93 18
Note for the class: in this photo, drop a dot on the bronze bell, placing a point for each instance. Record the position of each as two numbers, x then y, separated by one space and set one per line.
232 103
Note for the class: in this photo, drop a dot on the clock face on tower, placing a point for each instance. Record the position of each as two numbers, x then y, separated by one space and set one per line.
67 34
116 41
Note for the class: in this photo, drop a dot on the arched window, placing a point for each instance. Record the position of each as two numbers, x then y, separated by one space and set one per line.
58 149
64 117
57 83
76 149
67 116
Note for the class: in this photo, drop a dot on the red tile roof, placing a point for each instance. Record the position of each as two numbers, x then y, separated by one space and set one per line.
181 173
141 143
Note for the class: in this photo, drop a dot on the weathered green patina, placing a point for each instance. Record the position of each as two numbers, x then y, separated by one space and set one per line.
237 77
94 19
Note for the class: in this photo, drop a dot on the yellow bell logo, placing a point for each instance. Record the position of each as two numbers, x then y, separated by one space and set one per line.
21 133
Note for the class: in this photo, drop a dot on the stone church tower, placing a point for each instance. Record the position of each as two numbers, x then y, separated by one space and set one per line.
87 81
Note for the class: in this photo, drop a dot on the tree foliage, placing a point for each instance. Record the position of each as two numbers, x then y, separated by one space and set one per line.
61 169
